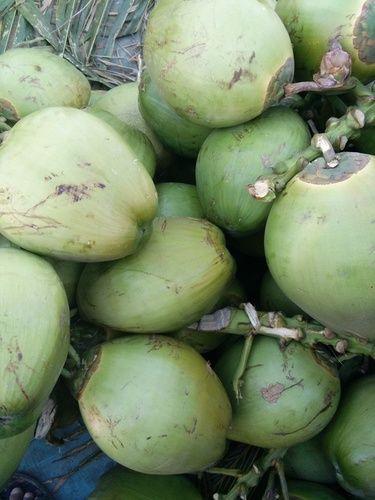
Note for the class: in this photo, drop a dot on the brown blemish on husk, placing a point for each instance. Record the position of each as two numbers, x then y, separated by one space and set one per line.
8 110
13 368
77 192
14 365
272 392
275 89
191 430
90 366
235 78
198 48
364 33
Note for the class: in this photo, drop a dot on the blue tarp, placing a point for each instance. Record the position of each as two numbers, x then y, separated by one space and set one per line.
66 470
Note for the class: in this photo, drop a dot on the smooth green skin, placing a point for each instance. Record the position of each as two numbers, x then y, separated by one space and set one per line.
304 490
120 483
153 404
35 78
350 439
308 461
68 271
12 450
311 25
177 199
288 395
74 190
222 69
319 244
178 134
233 158
122 101
272 298
137 140
34 337
176 277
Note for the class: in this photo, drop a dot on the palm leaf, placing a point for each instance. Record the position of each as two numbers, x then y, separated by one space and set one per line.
102 38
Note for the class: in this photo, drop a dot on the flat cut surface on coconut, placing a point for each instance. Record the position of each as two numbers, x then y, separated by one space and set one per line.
329 213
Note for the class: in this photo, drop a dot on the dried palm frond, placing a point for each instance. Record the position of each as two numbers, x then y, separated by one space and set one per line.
239 457
102 38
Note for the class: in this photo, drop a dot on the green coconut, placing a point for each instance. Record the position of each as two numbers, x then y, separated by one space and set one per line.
12 450
36 78
34 315
137 140
233 158
153 404
222 69
177 199
308 461
312 25
122 101
177 276
350 439
120 483
71 188
304 490
288 394
319 243
178 134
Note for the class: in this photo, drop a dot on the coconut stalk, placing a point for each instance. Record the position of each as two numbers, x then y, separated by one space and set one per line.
334 77
248 322
251 479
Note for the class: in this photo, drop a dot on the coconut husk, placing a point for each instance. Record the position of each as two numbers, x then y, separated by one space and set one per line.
102 38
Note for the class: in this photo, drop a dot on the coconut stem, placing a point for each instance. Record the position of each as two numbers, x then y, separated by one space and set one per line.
224 471
66 374
241 367
269 492
334 72
252 478
279 466
74 356
296 328
338 131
